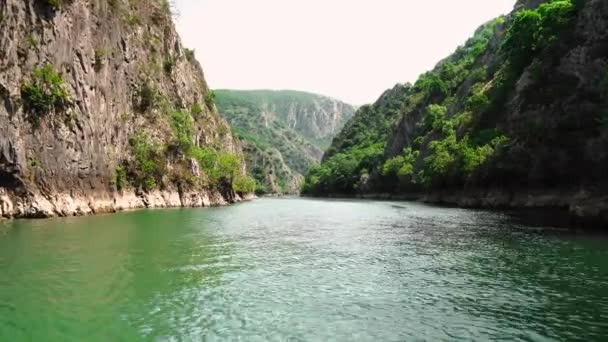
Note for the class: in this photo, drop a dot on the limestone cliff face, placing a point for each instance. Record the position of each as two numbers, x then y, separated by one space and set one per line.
319 119
123 69
285 132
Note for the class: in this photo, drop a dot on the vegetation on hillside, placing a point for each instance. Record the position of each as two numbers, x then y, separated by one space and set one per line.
148 169
277 152
44 93
445 130
359 147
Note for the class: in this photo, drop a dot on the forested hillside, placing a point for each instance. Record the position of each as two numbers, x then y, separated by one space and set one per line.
284 132
517 116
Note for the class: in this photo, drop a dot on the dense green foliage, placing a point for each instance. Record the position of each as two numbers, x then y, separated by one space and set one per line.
148 169
532 31
219 167
358 148
45 92
120 178
244 184
277 153
148 161
341 173
444 131
183 130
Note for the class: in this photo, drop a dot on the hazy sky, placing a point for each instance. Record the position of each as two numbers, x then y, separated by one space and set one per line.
349 49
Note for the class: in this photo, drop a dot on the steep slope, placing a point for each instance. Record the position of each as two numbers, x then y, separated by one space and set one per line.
516 117
284 132
102 109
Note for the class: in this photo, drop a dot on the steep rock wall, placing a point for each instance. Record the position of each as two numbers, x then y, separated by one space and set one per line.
123 68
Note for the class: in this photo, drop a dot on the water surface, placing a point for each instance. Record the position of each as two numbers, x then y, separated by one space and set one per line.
300 270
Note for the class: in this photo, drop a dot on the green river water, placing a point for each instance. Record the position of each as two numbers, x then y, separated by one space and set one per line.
301 270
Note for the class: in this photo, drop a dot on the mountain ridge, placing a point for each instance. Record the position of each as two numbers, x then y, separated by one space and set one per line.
513 118
284 132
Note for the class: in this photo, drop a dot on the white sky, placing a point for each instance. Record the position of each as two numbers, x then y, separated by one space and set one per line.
352 50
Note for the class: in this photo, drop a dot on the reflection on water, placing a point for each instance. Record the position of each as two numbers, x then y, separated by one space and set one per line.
280 269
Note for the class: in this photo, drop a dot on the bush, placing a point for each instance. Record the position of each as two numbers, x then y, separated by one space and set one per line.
169 64
196 109
442 157
120 176
45 92
183 130
148 164
434 117
432 85
401 166
210 99
341 173
451 159
218 166
556 16
228 166
147 98
521 40
478 102
532 31
244 185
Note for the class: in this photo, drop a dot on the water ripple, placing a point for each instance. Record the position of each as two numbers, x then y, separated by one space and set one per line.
301 270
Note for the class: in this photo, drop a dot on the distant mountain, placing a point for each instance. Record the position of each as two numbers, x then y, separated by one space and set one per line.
284 132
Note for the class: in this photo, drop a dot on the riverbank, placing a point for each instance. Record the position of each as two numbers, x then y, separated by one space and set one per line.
70 204
574 208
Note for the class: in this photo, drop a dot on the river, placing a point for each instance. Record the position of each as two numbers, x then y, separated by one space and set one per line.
301 270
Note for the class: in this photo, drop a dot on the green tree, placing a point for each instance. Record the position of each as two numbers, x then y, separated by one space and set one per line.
521 40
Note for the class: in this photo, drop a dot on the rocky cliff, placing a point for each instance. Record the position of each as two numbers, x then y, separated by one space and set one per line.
516 117
284 132
103 109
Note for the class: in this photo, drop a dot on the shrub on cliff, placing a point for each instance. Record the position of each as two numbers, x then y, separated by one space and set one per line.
45 92
183 130
148 163
169 64
532 31
210 99
120 178
401 166
219 167
244 185
147 98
